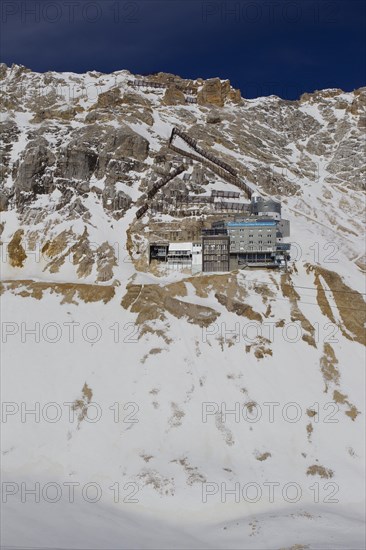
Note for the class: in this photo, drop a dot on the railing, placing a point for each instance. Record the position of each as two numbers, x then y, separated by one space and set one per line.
283 246
218 166
158 185
215 164
163 85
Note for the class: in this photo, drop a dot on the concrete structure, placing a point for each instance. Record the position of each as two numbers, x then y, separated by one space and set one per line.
252 235
215 253
255 241
263 206
196 258
225 194
158 251
253 238
283 227
177 256
180 256
256 244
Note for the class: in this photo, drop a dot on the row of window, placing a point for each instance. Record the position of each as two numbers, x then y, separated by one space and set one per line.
258 230
255 248
233 244
242 237
215 247
215 257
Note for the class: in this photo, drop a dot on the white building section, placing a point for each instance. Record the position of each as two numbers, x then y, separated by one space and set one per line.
196 258
180 255
186 255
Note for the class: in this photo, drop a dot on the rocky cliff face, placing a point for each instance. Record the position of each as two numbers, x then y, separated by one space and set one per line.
79 154
99 137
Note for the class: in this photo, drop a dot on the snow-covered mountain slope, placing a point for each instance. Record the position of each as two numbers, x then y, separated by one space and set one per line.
206 411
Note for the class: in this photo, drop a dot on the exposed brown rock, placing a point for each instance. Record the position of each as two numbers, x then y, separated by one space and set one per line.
350 304
216 92
316 469
16 252
69 291
289 292
173 96
343 400
151 302
263 456
328 368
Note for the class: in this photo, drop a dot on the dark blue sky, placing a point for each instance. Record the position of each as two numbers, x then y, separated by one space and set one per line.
283 47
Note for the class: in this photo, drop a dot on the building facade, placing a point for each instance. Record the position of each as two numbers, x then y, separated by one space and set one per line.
179 256
254 241
252 236
215 253
251 239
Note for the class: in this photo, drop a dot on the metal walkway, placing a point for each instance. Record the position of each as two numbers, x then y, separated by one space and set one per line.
216 165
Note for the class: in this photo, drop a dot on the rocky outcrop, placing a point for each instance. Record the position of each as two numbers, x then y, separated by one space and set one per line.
117 202
216 92
95 148
64 112
358 105
213 117
3 70
173 96
77 161
33 171
125 143
4 200
111 98
9 135
318 95
115 105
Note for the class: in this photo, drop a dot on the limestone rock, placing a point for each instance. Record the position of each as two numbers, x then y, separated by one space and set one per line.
4 201
173 96
99 115
115 201
9 135
92 147
213 117
3 70
111 98
358 105
216 92
77 161
32 174
63 113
